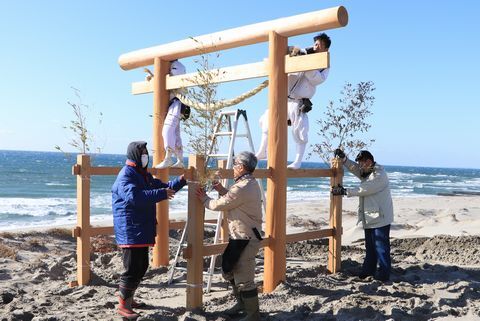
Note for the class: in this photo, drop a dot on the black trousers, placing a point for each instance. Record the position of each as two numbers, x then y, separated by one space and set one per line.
135 262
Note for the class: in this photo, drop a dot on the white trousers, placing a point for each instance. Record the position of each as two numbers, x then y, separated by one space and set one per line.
171 128
299 124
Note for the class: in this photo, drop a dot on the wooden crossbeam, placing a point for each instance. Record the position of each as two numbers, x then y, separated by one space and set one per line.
108 230
215 249
105 170
316 21
239 72
304 236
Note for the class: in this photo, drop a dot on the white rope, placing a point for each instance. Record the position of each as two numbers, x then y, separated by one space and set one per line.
221 103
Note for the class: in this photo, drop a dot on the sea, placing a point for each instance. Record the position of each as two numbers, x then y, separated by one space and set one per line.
37 189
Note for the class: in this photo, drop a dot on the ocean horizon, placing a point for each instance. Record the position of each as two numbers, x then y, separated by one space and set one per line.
37 189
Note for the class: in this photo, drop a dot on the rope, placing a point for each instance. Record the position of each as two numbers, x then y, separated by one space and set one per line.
221 103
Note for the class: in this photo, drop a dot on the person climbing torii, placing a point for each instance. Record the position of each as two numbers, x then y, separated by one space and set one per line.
301 87
172 140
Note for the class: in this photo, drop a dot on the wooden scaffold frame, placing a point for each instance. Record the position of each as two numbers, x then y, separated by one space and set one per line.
276 68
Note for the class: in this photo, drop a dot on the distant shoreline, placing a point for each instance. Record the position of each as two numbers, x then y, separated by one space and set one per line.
186 159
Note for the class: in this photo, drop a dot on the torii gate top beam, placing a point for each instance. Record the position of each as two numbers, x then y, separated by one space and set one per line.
247 35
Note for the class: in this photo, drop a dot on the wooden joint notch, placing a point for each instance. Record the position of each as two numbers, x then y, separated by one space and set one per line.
72 284
187 252
338 231
76 169
76 231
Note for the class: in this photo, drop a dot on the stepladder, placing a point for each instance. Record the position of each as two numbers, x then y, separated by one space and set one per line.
227 127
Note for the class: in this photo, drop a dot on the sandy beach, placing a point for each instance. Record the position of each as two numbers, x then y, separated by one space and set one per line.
436 272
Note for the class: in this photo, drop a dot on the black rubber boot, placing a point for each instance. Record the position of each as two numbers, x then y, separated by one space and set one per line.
239 307
250 300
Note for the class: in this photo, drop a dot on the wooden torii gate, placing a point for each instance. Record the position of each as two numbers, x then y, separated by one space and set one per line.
276 32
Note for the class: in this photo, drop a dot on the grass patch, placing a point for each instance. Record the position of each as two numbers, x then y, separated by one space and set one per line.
103 244
7 252
61 233
35 243
7 235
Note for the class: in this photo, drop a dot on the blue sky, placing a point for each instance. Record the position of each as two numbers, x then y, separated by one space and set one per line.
421 55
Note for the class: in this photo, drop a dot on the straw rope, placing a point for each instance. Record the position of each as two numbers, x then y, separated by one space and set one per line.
221 103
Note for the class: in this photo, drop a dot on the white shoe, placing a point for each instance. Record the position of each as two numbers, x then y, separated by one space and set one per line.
298 158
178 164
295 165
167 162
261 155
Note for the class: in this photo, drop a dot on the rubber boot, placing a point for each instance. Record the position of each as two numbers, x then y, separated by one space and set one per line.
125 308
167 162
262 151
137 304
239 307
179 162
298 158
250 300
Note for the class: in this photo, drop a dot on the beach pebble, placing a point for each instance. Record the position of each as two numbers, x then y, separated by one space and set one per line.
57 271
192 316
21 315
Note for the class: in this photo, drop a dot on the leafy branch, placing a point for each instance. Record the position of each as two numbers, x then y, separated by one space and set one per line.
342 125
201 125
83 138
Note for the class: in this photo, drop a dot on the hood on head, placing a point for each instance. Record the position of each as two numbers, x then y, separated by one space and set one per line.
134 152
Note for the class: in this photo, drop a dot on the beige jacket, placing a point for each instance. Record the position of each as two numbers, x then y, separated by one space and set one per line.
375 208
243 204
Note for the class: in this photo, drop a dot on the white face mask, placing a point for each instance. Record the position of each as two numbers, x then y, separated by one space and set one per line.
145 160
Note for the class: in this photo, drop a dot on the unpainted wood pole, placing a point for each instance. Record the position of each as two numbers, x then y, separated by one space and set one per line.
83 220
160 108
195 230
315 21
335 241
275 261
224 227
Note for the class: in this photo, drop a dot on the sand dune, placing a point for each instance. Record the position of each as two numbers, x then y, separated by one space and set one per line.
436 276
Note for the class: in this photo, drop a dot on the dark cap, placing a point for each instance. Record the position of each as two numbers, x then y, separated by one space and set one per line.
364 155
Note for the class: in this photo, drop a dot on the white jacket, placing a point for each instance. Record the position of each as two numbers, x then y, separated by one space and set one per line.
176 68
303 84
375 208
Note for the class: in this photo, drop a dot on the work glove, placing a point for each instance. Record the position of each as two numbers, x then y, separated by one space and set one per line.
338 190
339 153
294 51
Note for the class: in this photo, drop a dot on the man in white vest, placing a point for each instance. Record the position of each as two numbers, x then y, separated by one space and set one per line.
301 88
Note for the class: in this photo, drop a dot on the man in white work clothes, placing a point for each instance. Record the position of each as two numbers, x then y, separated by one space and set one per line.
301 87
172 140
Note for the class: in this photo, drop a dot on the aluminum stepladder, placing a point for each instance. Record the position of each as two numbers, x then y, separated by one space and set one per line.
232 132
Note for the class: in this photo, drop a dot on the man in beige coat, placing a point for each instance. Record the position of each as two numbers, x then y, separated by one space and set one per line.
375 211
243 204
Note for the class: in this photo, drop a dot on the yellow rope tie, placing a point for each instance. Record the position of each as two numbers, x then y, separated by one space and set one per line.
221 103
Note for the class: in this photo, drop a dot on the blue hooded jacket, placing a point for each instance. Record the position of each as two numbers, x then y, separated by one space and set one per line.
134 195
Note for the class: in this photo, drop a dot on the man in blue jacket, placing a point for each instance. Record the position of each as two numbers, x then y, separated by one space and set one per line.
134 195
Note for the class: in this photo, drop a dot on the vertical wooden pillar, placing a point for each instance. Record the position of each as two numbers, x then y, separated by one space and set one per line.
195 230
275 261
335 241
224 227
160 108
83 220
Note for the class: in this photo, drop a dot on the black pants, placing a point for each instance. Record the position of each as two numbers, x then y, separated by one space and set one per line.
135 262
